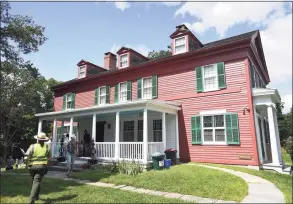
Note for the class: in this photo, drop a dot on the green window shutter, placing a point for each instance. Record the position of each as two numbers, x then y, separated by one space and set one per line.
116 93
221 75
155 86
59 130
97 94
64 102
139 88
73 100
129 90
232 129
107 94
195 130
199 80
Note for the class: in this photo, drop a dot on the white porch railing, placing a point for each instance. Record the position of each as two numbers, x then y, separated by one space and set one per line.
105 150
155 147
131 150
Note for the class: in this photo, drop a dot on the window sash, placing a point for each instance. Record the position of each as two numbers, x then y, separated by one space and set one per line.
210 77
157 130
147 88
123 92
102 95
123 60
213 128
180 45
128 131
68 101
82 71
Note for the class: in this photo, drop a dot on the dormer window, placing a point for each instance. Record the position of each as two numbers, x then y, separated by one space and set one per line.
180 45
123 60
82 71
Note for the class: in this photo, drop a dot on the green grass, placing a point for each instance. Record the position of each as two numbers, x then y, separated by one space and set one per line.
17 171
16 189
191 180
282 181
286 157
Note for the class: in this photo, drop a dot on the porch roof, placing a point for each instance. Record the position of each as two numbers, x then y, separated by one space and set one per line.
265 96
155 105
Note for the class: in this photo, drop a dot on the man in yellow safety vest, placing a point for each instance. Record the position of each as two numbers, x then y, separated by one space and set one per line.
38 155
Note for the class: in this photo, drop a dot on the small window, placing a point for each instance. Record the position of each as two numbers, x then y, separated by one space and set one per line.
210 77
123 60
180 45
81 71
123 92
214 129
103 95
157 128
68 101
128 131
147 88
140 130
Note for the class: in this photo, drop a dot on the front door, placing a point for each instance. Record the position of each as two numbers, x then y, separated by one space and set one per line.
100 131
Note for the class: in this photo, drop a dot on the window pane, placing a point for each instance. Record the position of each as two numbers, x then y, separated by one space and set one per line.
208 121
139 130
123 92
147 88
157 124
103 91
210 71
128 131
102 99
123 60
157 128
218 121
68 106
210 83
208 135
220 135
180 41
180 48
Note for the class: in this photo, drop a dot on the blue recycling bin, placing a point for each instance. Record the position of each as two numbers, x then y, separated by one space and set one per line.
167 163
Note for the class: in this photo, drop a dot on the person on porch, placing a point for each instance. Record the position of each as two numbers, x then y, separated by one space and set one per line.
87 143
71 154
81 149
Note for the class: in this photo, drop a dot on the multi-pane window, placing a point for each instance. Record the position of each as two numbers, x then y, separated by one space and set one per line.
128 131
180 45
147 88
157 129
256 79
214 129
140 130
103 95
81 71
123 92
123 60
68 101
210 77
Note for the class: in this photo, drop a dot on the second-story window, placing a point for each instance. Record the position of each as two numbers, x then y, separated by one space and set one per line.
103 95
210 79
68 101
180 45
82 71
123 60
147 88
123 92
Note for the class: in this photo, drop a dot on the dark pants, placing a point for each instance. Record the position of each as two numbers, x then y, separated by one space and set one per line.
37 172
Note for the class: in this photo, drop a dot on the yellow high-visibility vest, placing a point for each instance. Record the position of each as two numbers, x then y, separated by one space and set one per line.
39 154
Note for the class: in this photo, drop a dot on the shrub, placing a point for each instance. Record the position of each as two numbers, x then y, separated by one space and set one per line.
289 146
129 168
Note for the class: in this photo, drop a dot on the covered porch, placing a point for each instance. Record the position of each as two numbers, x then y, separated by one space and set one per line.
124 131
266 125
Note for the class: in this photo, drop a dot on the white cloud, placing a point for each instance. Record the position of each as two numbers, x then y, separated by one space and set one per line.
141 48
287 99
122 5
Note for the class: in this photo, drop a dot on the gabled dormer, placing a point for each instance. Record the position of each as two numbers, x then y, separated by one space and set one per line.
183 40
86 69
128 57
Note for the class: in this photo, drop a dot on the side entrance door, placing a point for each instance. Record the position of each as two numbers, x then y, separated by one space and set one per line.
100 131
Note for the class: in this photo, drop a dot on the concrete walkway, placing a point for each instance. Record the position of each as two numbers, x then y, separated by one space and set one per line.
259 190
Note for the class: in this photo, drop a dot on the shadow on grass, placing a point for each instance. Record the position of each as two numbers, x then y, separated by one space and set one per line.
59 199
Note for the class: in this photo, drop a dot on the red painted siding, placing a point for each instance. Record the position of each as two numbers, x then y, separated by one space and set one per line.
177 82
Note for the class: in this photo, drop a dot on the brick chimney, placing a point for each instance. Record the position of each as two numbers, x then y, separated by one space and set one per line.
110 61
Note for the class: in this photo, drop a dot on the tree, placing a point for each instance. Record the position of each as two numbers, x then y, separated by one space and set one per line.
160 54
20 83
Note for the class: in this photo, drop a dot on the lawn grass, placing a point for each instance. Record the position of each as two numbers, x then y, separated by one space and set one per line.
282 181
16 189
191 180
17 171
286 157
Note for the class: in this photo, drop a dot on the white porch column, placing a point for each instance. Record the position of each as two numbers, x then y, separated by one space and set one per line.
54 137
71 127
258 135
264 138
273 137
164 139
40 126
278 136
94 128
117 131
177 135
145 135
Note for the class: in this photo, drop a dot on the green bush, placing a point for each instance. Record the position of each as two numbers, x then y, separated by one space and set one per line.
109 167
129 168
289 146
